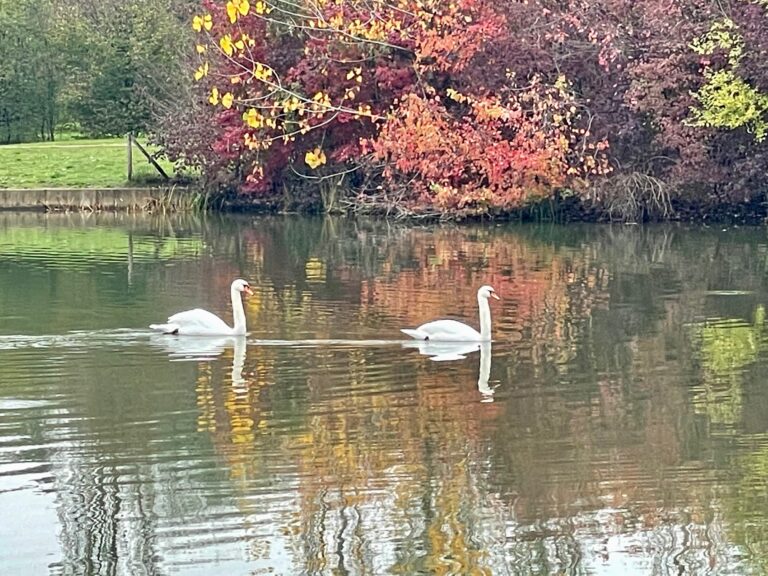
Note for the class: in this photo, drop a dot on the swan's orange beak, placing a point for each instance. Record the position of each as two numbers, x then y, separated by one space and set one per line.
248 290
494 295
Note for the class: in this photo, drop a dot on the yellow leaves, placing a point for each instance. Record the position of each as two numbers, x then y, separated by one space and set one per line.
202 71
315 158
357 74
363 110
562 83
322 99
200 23
237 8
456 96
225 42
261 72
253 118
216 97
250 142
291 104
228 46
200 49
262 8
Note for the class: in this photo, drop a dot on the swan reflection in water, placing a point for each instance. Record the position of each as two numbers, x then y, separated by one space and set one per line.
204 349
449 351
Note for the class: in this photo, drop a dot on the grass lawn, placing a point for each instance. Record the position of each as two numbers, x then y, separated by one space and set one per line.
75 164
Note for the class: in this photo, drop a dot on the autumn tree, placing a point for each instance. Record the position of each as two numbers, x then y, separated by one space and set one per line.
397 93
476 107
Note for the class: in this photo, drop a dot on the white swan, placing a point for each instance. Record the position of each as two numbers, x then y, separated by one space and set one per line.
453 331
200 322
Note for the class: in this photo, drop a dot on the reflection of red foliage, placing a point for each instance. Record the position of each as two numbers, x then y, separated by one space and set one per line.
540 293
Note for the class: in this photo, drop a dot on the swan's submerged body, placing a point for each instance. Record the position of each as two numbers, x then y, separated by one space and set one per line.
199 322
455 331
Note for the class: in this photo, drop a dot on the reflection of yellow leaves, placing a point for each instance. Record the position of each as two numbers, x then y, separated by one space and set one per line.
315 158
227 100
728 345
200 48
314 270
726 348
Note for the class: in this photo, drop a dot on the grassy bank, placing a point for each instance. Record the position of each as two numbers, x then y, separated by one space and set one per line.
75 163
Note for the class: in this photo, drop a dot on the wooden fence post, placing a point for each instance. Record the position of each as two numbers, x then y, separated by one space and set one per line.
130 156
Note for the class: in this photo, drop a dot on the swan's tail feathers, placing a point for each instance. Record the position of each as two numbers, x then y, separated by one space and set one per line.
165 328
414 333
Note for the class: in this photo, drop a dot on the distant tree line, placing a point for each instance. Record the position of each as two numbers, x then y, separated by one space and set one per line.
98 67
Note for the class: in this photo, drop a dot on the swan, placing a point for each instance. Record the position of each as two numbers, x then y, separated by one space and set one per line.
200 322
453 331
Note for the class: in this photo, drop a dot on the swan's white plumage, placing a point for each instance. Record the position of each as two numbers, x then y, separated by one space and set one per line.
454 331
199 322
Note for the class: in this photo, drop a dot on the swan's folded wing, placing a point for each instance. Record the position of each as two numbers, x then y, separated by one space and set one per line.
449 331
199 321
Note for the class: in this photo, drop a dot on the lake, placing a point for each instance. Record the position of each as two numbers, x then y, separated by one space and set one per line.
618 423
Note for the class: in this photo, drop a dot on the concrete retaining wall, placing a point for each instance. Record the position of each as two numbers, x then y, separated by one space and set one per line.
93 199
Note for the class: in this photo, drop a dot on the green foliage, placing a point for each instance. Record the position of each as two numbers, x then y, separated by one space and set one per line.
727 347
726 100
30 70
101 66
722 35
123 65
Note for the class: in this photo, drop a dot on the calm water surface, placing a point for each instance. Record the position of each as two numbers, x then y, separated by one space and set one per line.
618 424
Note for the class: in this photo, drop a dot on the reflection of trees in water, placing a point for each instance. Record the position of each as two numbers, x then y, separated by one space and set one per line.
396 465
599 318
108 524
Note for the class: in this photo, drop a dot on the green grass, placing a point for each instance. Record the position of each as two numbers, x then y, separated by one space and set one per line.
75 164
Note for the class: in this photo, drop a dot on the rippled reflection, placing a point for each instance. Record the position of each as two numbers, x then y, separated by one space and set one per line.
618 424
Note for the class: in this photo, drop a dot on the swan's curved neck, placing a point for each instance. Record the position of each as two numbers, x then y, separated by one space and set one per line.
237 312
485 318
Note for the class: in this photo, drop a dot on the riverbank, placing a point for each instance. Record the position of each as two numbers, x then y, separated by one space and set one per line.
99 199
180 198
